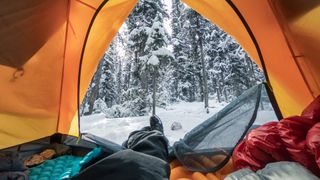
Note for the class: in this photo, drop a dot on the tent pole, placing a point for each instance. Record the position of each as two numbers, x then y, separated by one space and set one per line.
268 86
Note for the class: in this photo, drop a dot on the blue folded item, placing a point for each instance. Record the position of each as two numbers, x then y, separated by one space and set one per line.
63 167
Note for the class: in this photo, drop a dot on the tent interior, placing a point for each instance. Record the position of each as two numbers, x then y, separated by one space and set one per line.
50 51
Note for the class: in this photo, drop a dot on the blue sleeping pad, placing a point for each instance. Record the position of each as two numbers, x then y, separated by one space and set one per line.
63 167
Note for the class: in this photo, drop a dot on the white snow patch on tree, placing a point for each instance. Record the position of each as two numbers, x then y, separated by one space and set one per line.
153 60
163 52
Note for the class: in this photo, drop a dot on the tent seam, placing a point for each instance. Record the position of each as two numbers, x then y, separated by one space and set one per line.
255 42
294 56
86 4
63 63
82 54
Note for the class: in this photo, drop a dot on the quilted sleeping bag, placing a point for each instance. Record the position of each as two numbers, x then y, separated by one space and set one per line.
294 138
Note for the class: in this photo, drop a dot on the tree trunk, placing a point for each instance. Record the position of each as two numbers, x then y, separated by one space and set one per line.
119 85
201 86
216 88
251 67
92 98
154 91
251 83
176 86
127 80
219 94
192 90
94 90
204 72
261 104
225 94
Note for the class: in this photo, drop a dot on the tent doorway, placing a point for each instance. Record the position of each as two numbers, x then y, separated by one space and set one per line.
192 61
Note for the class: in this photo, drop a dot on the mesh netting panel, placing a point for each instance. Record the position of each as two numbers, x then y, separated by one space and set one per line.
208 147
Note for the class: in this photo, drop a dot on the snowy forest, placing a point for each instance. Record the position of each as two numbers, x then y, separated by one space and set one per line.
167 53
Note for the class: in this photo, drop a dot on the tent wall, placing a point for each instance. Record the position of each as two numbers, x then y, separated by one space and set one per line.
287 82
32 38
289 87
79 17
105 23
41 50
299 19
105 27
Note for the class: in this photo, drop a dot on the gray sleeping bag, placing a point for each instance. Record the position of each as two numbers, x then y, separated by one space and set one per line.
275 171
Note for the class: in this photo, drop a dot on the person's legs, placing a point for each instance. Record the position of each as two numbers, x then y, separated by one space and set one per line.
149 140
146 158
127 165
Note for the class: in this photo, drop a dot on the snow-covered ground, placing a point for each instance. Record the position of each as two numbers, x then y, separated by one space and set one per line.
188 114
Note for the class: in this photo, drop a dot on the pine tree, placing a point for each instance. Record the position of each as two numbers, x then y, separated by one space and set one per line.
196 29
147 37
108 90
183 64
139 72
158 56
87 106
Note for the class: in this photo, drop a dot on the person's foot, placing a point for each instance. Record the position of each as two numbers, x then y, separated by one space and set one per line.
156 123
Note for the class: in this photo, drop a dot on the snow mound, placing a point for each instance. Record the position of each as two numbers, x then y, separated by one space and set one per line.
176 126
153 60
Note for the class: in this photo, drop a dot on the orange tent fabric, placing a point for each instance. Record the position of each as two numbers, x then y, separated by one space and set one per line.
42 46
32 37
105 23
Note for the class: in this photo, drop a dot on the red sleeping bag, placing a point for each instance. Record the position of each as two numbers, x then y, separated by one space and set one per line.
294 138
313 142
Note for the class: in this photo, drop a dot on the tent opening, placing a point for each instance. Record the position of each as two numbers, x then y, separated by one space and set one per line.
169 60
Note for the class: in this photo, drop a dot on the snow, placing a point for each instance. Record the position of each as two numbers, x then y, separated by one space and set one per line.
154 31
188 114
153 60
176 43
163 52
182 57
265 116
157 25
118 129
134 32
149 41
